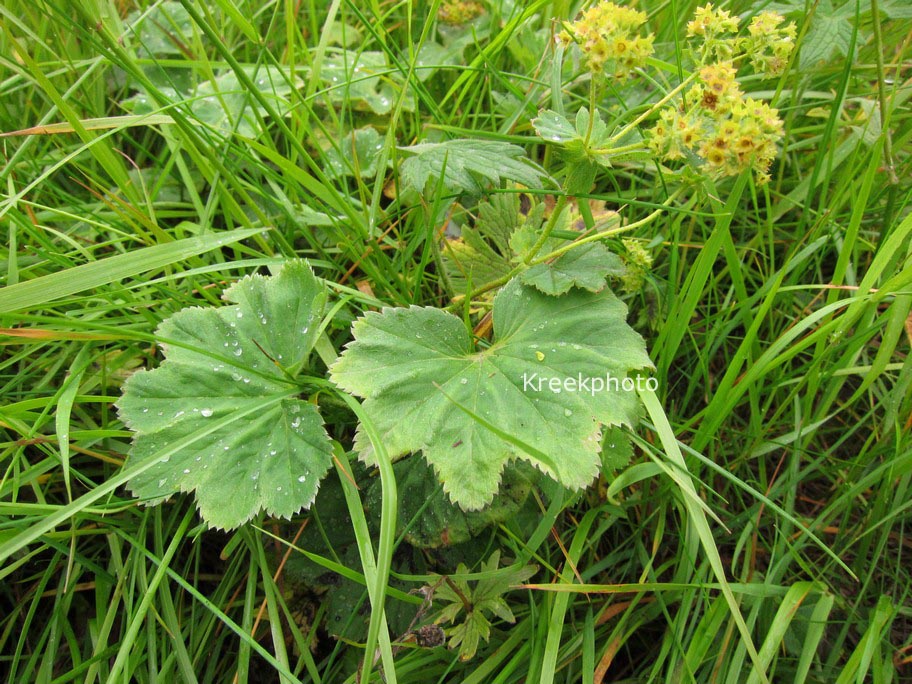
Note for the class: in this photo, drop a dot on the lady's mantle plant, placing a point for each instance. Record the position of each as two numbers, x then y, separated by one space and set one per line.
221 416
470 407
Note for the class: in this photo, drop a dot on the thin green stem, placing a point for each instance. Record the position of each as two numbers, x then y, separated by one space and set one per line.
652 110
882 93
566 248
549 226
609 232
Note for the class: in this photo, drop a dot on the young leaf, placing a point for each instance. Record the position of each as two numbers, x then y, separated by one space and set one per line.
586 145
503 236
468 164
222 363
486 597
585 266
424 384
554 127
483 253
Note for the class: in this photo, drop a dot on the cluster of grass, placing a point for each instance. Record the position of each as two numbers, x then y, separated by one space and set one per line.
759 531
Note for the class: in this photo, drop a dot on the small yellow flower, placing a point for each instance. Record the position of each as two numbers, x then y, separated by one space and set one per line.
639 261
607 35
457 12
769 45
708 21
730 132
716 29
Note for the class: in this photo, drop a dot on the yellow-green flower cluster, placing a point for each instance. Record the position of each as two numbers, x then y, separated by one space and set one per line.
717 91
728 131
715 122
769 44
457 12
608 36
717 31
638 261
747 139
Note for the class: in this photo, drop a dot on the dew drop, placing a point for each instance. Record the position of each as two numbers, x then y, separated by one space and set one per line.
463 381
186 471
568 412
302 478
206 413
162 483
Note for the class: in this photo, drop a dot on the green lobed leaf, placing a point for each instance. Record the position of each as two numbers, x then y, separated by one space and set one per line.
219 364
365 79
357 154
163 30
483 253
830 34
412 365
554 127
468 165
485 597
585 266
